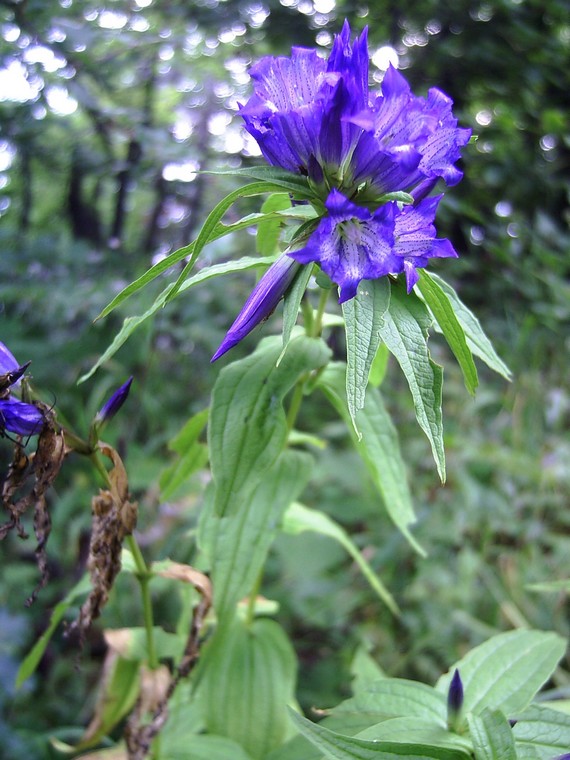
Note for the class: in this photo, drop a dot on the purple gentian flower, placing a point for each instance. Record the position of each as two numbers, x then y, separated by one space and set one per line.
113 404
20 418
353 244
315 117
301 110
262 301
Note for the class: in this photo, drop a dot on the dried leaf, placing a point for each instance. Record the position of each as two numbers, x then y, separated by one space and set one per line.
114 517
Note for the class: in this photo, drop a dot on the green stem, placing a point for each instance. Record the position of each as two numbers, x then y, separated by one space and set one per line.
144 576
295 405
317 326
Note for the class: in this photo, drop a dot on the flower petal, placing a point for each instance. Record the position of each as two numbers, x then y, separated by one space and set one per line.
20 418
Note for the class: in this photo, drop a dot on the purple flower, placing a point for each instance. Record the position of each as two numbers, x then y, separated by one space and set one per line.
300 112
262 301
114 403
8 362
353 244
317 118
20 418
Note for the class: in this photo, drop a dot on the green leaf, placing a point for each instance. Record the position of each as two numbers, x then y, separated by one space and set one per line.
299 518
396 698
404 329
378 447
267 238
379 366
492 736
247 679
341 747
278 178
192 455
192 746
208 231
130 324
477 341
240 542
119 692
420 730
292 302
505 672
442 309
247 428
550 586
363 316
542 733
32 660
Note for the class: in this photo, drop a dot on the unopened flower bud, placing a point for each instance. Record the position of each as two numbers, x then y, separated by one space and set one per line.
115 402
454 699
262 301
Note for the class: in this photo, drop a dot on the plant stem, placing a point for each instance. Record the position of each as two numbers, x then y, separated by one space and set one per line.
317 326
143 576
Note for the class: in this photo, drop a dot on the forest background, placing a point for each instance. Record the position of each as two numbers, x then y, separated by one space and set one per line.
107 112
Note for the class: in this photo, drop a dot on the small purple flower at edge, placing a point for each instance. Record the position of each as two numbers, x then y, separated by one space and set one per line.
20 418
262 301
114 403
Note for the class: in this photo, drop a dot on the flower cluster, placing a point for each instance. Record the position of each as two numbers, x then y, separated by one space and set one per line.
16 416
371 160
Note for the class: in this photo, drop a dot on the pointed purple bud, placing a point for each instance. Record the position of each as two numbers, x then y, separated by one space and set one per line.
20 418
454 697
112 406
262 301
8 362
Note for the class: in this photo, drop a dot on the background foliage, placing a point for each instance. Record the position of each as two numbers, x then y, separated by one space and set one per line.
106 113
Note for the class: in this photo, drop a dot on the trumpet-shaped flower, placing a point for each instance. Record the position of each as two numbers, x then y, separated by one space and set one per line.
352 243
317 118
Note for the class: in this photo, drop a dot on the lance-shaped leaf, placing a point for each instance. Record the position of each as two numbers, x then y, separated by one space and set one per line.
247 428
292 303
363 317
247 678
339 747
130 324
379 448
192 455
268 231
477 341
542 733
505 672
208 230
404 329
492 736
299 518
239 542
442 309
